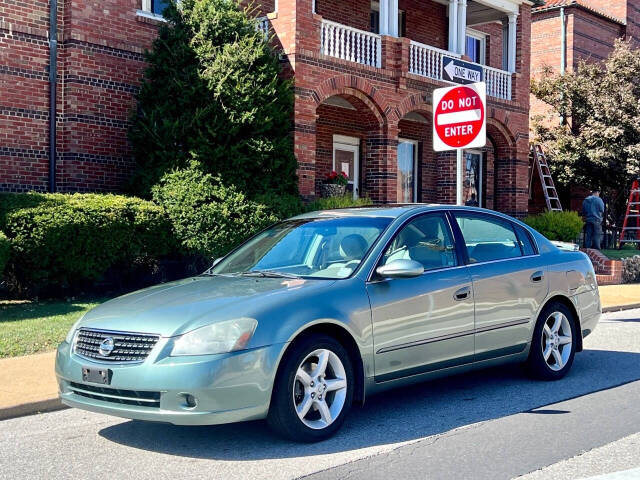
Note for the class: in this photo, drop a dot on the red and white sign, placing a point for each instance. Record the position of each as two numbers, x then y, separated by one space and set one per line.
459 117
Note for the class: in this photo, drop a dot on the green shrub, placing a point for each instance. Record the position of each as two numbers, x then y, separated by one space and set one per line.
563 226
67 241
282 206
5 250
10 202
337 202
207 217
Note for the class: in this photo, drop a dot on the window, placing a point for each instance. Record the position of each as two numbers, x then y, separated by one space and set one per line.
476 46
374 23
318 247
155 7
526 243
426 240
488 238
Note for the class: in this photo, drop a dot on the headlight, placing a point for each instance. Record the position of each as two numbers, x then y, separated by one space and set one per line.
69 337
222 337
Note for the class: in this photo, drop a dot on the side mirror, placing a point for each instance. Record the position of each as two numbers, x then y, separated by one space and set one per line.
401 269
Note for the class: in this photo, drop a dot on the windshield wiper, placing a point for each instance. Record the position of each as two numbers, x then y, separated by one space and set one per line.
268 274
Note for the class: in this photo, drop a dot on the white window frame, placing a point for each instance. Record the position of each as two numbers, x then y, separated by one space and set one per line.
482 37
146 12
375 7
348 144
415 166
480 153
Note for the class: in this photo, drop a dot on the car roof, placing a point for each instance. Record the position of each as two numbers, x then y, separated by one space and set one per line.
396 210
387 211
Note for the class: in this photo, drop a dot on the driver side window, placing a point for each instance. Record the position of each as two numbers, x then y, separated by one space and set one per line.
427 240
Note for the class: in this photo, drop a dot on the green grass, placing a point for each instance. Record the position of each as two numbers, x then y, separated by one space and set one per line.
627 251
33 327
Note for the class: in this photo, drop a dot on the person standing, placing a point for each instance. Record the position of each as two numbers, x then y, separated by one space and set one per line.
593 211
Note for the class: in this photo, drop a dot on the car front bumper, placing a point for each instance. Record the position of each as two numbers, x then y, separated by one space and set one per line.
227 388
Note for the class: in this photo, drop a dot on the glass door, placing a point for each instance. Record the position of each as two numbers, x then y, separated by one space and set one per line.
472 187
345 159
407 186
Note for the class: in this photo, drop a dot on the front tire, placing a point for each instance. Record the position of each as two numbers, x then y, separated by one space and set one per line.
554 343
313 390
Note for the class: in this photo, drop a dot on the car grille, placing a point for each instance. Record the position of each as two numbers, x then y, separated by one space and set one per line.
115 395
127 347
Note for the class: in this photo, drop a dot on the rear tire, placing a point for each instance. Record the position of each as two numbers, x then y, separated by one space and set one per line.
313 390
554 343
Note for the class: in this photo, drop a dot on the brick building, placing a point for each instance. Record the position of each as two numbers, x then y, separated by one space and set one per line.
566 32
364 74
586 28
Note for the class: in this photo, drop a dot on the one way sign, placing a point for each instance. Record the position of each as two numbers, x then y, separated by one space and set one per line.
461 72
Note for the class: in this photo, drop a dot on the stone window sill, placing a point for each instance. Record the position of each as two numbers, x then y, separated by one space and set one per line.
146 16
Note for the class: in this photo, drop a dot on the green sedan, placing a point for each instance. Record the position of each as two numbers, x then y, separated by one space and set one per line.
316 313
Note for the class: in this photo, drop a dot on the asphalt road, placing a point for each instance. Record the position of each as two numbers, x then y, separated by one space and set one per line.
493 424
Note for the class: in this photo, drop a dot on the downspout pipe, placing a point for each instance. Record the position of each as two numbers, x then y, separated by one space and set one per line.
563 50
563 42
53 72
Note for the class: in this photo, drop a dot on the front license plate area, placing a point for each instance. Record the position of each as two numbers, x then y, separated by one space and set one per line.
97 375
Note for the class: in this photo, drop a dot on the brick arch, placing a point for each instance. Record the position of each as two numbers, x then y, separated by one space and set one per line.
500 136
417 102
357 87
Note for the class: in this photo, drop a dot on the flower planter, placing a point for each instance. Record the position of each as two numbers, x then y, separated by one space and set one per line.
328 190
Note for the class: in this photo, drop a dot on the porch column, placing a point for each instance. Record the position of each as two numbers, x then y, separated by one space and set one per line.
384 17
462 26
511 48
453 25
393 18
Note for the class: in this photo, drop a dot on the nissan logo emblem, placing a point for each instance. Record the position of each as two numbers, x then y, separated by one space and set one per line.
106 347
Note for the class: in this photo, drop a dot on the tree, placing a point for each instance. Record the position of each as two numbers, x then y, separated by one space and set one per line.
213 91
597 143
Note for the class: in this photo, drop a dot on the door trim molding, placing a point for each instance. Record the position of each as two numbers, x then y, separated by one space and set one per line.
454 362
450 336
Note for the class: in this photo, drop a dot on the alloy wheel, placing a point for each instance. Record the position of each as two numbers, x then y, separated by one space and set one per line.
556 341
319 389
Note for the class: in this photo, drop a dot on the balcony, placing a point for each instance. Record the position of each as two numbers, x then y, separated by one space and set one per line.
454 20
426 61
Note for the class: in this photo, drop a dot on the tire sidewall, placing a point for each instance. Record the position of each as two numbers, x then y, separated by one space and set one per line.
536 362
284 397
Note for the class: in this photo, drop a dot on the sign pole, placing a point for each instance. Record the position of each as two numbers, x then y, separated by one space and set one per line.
459 166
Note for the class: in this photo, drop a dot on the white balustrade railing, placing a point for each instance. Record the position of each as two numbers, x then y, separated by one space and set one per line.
351 44
498 82
426 60
263 26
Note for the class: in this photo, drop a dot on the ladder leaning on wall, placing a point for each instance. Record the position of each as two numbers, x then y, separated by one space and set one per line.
631 225
538 161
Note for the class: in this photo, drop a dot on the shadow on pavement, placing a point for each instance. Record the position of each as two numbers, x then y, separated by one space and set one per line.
398 415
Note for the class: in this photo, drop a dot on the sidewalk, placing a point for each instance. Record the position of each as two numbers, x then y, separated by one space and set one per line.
28 384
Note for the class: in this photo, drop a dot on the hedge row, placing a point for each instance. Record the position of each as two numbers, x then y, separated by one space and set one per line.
64 241
54 244
563 226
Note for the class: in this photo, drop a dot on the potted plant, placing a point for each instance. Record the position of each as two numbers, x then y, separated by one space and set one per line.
334 185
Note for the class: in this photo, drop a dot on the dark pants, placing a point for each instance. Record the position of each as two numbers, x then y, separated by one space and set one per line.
593 235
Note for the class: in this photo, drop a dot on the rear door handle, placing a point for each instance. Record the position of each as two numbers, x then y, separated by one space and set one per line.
537 276
462 294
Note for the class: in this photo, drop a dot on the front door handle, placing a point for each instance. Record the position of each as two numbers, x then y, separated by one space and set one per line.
537 276
462 294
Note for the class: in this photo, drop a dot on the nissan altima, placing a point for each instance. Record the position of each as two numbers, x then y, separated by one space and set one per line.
314 314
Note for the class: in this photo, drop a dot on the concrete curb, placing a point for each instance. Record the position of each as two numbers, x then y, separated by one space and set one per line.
620 308
48 405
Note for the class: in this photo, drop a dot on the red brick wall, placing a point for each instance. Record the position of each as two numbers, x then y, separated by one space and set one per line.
426 22
354 13
100 61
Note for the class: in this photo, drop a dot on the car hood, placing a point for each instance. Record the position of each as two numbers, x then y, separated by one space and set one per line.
175 308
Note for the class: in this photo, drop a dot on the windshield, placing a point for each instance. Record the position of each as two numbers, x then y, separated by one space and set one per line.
317 247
